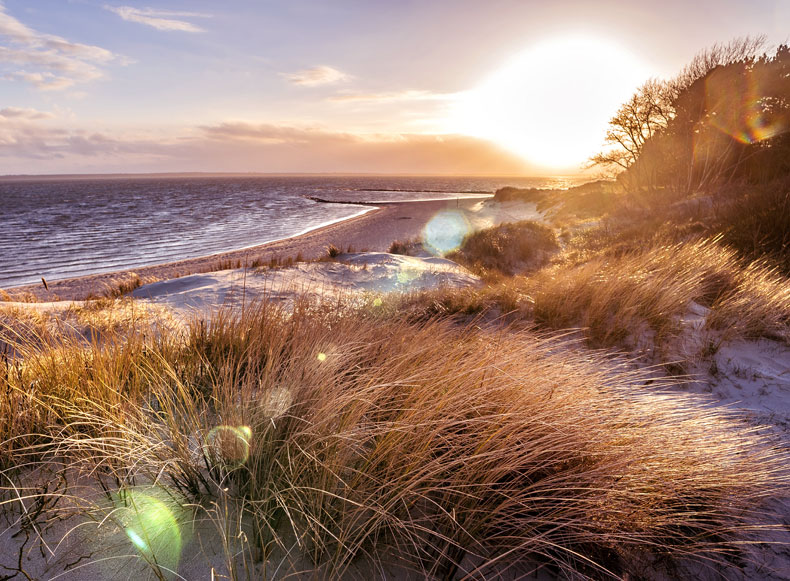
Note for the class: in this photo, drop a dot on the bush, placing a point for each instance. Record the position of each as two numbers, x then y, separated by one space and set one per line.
511 194
507 248
757 221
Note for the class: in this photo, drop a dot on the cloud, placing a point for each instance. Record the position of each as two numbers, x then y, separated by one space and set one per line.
269 133
167 20
387 97
56 63
23 136
320 75
245 147
26 114
240 146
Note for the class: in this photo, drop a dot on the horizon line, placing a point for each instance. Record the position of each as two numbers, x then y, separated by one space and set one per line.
22 177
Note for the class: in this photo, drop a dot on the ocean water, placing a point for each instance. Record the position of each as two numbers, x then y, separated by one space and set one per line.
62 228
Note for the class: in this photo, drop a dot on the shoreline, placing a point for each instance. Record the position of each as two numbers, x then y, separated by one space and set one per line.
373 231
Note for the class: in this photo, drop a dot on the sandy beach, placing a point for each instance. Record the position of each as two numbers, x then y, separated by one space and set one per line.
373 231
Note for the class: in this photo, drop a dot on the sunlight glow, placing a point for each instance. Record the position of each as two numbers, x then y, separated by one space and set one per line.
445 232
551 103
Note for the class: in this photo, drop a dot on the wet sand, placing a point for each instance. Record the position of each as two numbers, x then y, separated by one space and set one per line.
373 231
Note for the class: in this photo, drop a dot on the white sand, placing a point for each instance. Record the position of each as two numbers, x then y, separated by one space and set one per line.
374 272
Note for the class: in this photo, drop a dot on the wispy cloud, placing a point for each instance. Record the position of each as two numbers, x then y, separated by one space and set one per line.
46 61
31 143
316 76
25 114
392 96
168 20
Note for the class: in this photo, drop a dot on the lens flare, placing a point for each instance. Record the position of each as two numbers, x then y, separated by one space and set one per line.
446 231
377 302
737 108
407 275
149 521
276 402
322 356
228 446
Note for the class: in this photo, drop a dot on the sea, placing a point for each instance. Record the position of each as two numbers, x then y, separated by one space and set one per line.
60 228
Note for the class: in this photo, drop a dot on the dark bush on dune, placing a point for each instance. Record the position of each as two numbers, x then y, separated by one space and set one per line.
508 248
757 222
590 200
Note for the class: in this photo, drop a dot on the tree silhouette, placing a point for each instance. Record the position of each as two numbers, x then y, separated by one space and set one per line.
724 118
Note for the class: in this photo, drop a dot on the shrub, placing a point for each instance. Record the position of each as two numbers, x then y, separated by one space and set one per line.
507 248
757 221
510 194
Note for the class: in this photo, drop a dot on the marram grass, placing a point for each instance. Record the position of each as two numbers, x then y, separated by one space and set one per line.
334 437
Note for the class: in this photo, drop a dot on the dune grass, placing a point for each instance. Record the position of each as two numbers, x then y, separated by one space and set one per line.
616 296
335 436
343 438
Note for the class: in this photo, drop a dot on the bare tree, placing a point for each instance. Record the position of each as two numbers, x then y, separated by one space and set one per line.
741 49
645 119
645 114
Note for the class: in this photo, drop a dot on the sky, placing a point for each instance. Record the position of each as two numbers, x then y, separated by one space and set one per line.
495 87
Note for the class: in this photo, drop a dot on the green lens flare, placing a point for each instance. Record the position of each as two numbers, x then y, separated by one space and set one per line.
149 521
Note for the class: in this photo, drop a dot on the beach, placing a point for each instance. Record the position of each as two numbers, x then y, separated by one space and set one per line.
225 370
372 231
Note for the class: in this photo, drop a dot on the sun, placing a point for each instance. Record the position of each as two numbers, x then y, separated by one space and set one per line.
551 103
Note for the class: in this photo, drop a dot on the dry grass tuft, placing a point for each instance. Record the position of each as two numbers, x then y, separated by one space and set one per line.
125 285
413 247
333 251
616 295
341 435
757 306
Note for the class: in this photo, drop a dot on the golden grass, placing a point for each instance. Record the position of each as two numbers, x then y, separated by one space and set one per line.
758 305
614 296
352 435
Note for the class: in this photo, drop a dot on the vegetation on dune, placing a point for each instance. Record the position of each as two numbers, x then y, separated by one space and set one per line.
355 435
621 289
412 247
406 430
723 119
508 248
